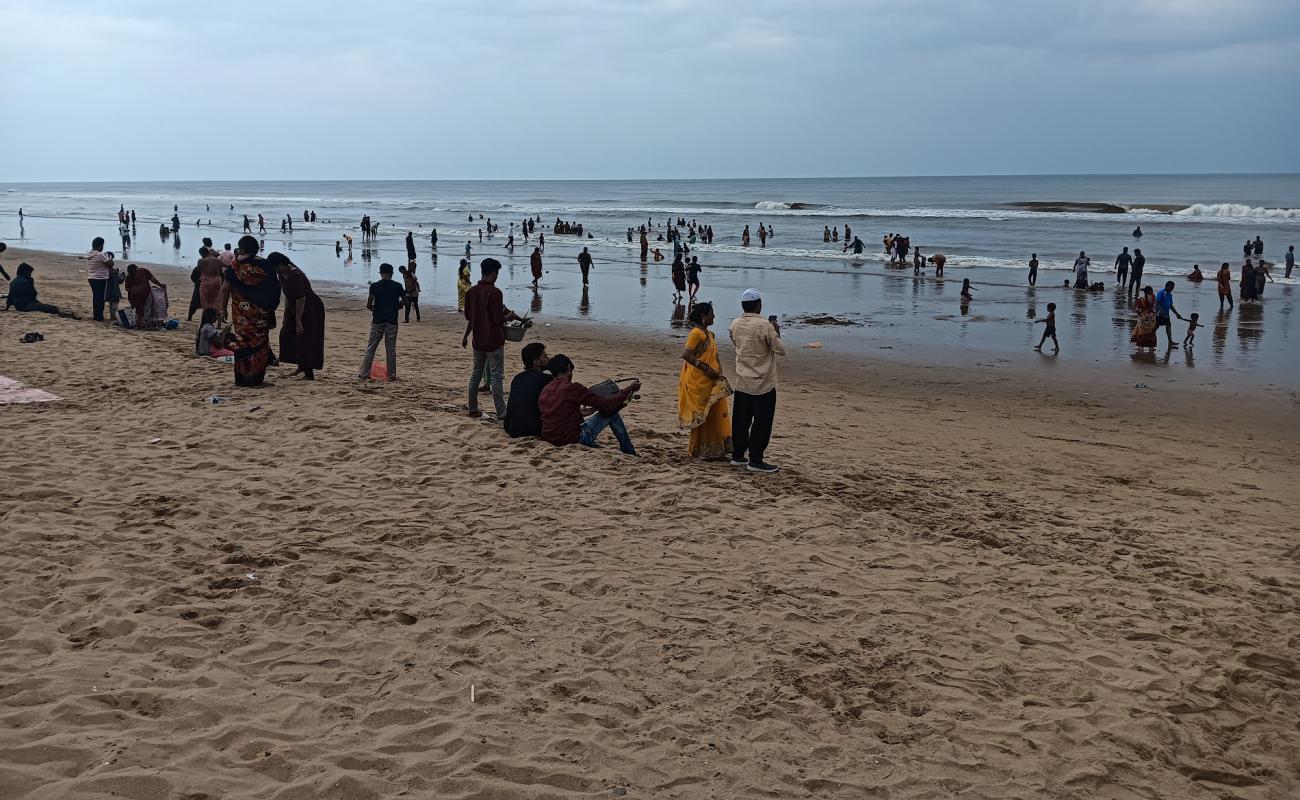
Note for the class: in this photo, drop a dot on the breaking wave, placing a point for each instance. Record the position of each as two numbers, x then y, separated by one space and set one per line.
1237 211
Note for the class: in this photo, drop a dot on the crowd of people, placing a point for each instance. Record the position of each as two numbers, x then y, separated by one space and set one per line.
547 402
239 293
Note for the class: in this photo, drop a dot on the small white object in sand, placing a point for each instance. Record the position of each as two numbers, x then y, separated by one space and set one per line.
155 440
471 692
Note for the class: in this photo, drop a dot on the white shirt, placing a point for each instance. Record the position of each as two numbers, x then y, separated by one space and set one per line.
757 346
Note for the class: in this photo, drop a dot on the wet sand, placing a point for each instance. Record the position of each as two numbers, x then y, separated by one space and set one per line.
963 582
887 312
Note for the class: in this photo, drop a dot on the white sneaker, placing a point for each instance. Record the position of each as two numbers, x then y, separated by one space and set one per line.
741 463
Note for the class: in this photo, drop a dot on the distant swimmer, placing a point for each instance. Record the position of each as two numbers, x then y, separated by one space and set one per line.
857 246
1195 275
1137 231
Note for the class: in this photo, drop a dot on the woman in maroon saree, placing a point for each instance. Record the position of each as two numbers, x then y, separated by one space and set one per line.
254 294
302 336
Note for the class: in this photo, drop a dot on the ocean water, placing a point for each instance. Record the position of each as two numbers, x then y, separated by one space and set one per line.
985 226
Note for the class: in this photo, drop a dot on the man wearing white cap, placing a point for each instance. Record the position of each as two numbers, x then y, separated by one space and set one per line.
757 342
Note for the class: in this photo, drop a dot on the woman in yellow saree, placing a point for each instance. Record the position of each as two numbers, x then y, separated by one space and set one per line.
702 390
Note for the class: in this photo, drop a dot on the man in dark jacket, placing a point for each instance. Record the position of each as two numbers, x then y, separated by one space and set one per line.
522 415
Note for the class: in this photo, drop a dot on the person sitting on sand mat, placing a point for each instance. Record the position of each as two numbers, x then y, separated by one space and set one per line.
22 295
561 404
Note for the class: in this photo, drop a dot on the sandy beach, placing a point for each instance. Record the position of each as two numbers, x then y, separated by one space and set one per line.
975 583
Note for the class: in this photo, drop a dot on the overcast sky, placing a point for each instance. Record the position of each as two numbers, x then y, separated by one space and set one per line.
281 89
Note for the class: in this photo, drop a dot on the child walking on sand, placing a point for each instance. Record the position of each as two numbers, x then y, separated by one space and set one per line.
1192 325
1050 330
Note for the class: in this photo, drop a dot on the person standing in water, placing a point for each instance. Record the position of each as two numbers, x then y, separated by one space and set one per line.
1223 279
1139 264
535 264
410 248
584 263
1164 308
1050 331
1122 262
1033 269
1081 271
693 277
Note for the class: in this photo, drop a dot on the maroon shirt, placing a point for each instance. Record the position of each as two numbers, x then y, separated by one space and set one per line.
485 310
560 405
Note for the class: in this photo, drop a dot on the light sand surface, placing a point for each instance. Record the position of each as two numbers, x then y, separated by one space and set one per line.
972 584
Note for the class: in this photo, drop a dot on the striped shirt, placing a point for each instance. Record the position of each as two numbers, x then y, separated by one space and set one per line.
97 264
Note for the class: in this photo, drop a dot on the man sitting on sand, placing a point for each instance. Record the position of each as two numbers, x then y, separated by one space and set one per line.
522 415
561 404
22 294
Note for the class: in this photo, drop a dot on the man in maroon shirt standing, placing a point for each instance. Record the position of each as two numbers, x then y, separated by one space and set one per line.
485 313
561 405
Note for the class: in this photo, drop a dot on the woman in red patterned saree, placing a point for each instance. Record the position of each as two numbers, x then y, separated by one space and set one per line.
253 293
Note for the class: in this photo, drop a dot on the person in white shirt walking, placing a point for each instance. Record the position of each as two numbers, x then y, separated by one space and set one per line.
757 342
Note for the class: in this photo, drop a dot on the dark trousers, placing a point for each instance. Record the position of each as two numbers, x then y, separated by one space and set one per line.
751 424
98 288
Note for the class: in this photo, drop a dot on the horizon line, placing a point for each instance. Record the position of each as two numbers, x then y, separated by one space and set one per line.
661 180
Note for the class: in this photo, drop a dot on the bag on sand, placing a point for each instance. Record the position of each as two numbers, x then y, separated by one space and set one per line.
126 317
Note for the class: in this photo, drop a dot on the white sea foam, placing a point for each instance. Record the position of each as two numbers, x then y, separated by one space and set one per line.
772 205
1237 211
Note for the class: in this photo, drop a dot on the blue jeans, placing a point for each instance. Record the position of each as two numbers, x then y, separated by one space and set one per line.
598 422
